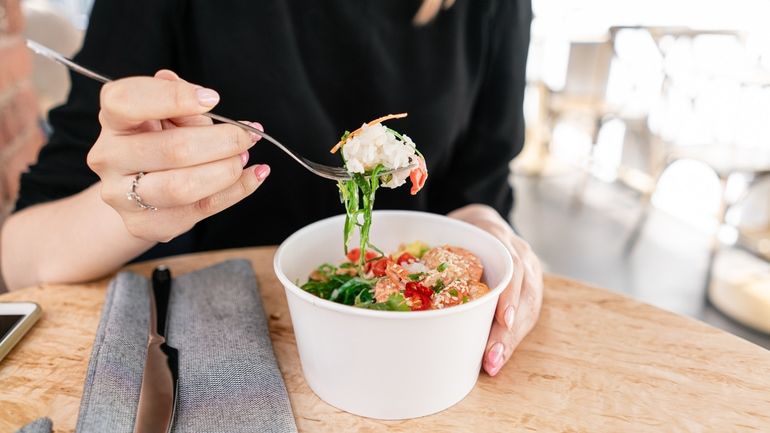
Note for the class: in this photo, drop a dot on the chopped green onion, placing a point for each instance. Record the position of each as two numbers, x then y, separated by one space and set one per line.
416 277
453 292
442 267
438 286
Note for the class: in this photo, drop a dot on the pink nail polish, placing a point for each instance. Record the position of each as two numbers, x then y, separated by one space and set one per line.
244 158
257 125
495 356
510 315
254 136
207 97
262 171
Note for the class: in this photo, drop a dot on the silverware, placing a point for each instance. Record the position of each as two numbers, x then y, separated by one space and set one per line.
158 394
325 171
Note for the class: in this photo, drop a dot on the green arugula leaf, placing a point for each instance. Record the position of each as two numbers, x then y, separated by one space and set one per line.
324 289
347 292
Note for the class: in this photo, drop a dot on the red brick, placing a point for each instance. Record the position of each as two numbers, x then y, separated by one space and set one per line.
16 64
11 20
17 115
5 198
24 154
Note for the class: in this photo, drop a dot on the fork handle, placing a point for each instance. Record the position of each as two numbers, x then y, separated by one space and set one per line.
82 70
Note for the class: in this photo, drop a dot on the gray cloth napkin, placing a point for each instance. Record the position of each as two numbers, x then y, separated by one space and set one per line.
40 425
229 380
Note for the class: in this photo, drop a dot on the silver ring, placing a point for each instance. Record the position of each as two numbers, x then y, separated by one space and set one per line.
133 196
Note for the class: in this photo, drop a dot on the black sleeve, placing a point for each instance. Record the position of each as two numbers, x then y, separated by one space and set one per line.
124 38
479 169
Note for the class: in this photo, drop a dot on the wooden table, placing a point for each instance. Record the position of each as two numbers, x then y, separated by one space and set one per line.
596 362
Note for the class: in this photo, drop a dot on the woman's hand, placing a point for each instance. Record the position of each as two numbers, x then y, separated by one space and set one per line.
194 169
519 305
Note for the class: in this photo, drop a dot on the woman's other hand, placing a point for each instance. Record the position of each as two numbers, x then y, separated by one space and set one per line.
193 168
519 305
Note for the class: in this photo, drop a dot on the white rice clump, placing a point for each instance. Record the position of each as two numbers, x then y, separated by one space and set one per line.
416 268
375 145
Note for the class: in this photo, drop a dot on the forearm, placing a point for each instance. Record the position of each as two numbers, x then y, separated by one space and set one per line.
75 239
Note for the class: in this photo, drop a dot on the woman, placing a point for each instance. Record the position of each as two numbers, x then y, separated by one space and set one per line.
307 70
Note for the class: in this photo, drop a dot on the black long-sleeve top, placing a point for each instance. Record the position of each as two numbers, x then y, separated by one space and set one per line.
308 70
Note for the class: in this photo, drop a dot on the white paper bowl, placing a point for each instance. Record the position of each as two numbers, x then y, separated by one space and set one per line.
387 364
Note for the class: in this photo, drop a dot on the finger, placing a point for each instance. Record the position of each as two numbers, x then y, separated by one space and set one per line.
196 120
168 75
505 313
190 121
184 186
167 224
502 341
176 148
249 181
128 102
531 262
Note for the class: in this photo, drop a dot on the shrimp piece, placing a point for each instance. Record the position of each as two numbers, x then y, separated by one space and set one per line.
384 288
395 280
459 263
418 175
477 289
455 293
397 273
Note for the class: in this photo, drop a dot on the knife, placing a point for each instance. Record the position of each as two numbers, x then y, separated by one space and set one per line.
158 394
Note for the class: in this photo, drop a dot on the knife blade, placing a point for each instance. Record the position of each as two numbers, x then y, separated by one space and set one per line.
158 394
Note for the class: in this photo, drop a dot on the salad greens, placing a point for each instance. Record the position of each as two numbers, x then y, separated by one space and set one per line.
395 302
343 288
362 187
352 290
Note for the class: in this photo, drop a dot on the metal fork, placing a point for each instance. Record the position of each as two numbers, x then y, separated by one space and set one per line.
325 171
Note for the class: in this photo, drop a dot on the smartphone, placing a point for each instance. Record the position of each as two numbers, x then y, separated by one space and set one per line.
16 318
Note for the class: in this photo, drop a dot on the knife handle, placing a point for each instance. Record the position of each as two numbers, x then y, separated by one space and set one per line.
161 288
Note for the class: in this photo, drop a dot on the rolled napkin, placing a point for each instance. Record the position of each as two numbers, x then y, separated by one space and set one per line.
229 380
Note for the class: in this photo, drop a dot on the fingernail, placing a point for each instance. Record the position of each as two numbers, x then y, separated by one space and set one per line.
262 171
207 97
244 158
510 315
495 357
254 136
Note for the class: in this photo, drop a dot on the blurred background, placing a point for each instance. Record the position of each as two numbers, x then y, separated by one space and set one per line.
646 168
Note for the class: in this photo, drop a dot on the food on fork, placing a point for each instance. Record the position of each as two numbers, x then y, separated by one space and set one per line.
366 152
431 279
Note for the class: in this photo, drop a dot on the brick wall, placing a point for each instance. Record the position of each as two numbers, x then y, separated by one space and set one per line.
20 136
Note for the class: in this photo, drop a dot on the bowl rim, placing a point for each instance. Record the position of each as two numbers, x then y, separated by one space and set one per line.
400 315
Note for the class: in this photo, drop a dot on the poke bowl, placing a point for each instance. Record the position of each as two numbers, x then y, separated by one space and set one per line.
390 364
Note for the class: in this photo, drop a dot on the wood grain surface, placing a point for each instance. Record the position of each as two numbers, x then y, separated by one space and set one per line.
596 362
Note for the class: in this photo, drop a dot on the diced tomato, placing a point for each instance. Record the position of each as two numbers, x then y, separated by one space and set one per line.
379 266
355 254
418 175
406 258
420 295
